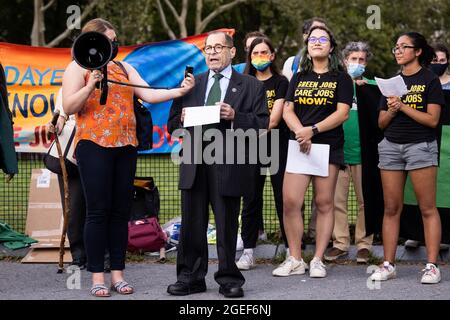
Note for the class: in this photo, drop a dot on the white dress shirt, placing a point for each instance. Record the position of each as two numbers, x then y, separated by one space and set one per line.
224 82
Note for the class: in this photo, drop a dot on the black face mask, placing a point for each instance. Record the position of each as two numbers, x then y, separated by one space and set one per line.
115 49
438 68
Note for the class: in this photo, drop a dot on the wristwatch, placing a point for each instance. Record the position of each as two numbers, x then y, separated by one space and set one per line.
315 130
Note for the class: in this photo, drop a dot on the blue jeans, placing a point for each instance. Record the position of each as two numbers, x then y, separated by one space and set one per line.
107 176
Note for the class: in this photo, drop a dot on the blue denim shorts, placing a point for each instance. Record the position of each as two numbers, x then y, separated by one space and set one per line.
406 157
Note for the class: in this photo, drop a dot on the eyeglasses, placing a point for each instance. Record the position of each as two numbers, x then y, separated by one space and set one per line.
401 49
322 40
217 48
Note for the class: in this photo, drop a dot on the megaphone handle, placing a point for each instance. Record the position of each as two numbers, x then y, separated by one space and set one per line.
104 86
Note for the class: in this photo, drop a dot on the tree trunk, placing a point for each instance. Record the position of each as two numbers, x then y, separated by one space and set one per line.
180 18
38 31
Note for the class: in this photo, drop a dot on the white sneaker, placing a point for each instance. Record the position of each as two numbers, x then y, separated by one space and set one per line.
431 275
262 236
289 267
384 272
411 244
317 269
239 243
246 261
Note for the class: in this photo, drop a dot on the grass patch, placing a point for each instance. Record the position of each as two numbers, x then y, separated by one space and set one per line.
11 259
374 260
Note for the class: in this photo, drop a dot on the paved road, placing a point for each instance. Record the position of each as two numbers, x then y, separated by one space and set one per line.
41 282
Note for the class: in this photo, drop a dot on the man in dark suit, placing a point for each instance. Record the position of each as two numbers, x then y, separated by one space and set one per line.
242 106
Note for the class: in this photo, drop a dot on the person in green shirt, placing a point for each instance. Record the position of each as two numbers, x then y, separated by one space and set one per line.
356 55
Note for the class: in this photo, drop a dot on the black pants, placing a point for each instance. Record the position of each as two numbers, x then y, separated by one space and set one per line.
252 211
192 259
75 230
107 176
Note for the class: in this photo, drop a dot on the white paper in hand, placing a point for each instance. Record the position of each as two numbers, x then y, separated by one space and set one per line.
393 87
315 163
198 116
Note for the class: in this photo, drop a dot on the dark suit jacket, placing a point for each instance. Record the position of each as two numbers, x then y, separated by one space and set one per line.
8 157
246 95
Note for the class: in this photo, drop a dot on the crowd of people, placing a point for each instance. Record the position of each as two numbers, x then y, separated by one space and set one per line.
256 95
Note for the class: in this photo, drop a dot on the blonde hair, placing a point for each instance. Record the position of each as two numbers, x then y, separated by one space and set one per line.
98 25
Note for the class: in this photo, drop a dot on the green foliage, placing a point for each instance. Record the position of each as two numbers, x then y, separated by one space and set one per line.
138 21
134 19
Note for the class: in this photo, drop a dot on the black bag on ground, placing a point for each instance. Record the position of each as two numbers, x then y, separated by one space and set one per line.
145 199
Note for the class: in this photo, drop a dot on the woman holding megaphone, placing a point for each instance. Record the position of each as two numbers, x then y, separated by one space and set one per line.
106 150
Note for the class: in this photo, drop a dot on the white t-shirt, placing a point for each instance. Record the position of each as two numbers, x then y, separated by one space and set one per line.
287 68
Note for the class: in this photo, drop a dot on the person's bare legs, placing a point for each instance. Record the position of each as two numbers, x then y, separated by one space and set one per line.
424 184
393 185
324 198
294 189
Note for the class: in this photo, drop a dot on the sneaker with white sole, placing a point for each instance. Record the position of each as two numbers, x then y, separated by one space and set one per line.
289 267
246 261
431 274
317 269
262 235
384 272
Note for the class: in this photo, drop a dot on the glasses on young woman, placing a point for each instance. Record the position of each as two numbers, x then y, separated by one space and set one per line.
218 48
322 40
401 49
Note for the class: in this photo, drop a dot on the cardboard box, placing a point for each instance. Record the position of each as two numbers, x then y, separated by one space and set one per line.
45 219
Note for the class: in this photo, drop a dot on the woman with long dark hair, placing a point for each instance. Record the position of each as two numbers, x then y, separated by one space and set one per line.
409 148
317 103
261 58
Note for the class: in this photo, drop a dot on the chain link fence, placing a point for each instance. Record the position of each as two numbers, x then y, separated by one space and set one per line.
14 195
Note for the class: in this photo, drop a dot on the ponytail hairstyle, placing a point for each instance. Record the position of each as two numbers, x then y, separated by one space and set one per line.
419 42
334 60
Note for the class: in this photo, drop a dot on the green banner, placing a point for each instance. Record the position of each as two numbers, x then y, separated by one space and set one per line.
443 181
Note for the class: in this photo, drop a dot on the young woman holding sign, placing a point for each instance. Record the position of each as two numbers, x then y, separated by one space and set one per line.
317 103
409 147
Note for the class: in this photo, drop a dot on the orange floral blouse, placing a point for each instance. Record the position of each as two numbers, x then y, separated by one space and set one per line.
113 124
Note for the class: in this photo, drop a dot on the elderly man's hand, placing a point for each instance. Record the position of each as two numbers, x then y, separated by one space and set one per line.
226 111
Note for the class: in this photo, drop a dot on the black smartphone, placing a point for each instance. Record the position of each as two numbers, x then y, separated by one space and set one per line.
189 69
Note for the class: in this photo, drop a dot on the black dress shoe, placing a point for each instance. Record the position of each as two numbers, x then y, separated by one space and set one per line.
183 289
231 291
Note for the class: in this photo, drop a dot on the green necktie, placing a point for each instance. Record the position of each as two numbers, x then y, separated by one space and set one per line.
214 93
214 96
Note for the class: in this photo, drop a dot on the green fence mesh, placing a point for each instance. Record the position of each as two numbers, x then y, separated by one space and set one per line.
14 195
